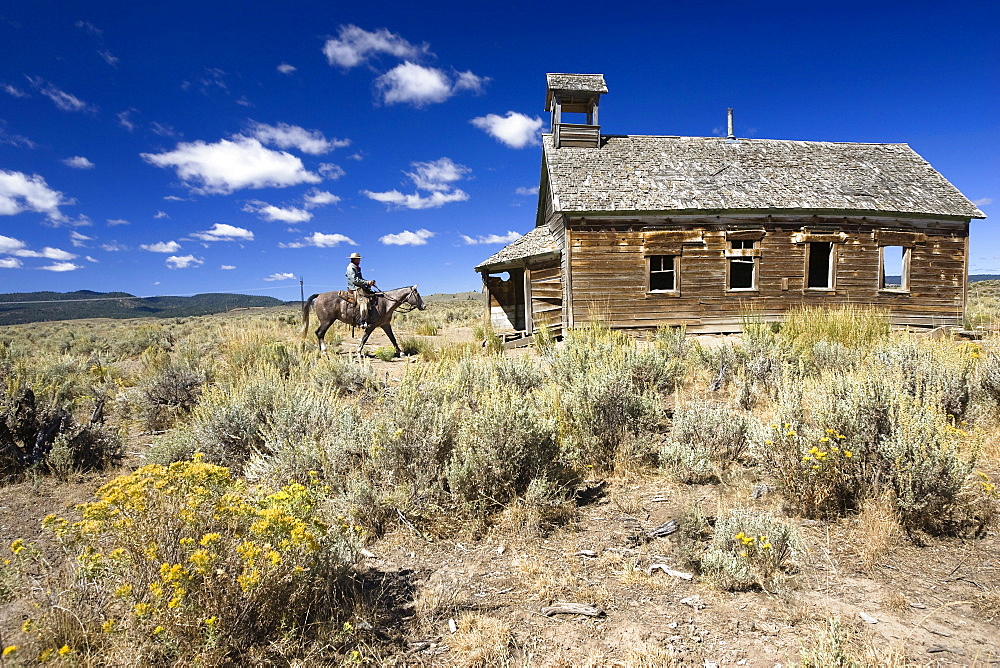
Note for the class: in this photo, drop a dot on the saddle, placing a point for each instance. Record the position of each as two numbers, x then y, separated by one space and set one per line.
346 296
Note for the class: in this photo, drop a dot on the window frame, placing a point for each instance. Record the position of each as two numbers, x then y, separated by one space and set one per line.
831 283
741 255
676 271
904 270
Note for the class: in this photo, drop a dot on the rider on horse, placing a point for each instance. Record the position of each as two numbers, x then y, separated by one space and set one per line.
361 288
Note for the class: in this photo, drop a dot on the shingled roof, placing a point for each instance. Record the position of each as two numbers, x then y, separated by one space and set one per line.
584 83
536 242
706 174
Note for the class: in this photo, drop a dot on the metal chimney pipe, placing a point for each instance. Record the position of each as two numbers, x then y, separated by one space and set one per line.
731 135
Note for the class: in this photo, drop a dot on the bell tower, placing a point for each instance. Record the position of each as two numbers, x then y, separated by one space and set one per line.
575 94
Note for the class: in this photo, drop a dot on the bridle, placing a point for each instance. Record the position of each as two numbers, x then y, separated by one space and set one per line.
402 308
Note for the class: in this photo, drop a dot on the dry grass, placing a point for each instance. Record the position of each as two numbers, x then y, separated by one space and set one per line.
480 641
878 530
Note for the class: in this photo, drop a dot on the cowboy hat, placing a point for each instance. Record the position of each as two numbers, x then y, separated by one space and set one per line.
354 256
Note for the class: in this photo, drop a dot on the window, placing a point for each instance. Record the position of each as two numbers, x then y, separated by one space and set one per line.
820 267
894 268
742 265
663 273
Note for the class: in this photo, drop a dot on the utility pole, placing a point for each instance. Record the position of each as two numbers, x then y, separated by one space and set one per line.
302 293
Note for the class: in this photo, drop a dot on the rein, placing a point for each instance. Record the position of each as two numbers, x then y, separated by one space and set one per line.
403 307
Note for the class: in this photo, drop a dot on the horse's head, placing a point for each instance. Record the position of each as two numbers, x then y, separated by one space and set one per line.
413 298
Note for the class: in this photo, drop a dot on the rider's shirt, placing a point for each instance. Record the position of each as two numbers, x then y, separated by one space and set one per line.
354 278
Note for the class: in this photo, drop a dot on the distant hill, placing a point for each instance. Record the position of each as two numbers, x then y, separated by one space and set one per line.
453 297
24 307
983 277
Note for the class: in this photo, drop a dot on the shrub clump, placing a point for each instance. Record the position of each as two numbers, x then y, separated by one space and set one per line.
501 448
185 564
750 549
706 440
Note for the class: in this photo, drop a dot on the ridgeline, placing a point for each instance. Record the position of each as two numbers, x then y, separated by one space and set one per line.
24 307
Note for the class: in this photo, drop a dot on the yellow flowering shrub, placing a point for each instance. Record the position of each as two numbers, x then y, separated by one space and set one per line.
199 564
749 549
819 474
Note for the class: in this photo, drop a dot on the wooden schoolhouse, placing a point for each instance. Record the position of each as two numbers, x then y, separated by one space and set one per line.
640 231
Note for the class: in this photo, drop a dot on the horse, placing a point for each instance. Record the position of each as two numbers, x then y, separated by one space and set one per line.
331 306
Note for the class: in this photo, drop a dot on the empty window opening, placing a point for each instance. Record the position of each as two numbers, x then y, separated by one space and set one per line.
662 273
742 268
820 265
895 268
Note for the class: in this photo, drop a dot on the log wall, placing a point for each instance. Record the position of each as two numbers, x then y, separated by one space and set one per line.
606 263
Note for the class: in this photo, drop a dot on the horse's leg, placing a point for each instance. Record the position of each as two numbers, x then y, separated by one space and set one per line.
388 332
364 339
321 332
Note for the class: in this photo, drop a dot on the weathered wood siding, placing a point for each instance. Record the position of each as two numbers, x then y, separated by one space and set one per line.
607 263
545 284
506 301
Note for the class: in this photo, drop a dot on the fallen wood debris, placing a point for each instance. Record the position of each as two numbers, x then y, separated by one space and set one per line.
572 609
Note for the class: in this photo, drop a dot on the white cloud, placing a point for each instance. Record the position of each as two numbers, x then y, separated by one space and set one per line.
90 259
61 266
175 198
223 232
125 121
273 213
113 247
20 192
514 130
117 221
320 240
315 198
983 201
527 191
407 238
161 214
48 253
161 247
469 81
89 27
14 90
10 263
79 240
285 68
183 262
280 277
492 238
354 45
163 129
437 177
78 162
330 170
284 135
61 98
227 267
225 166
417 201
414 84
109 58
14 139
10 244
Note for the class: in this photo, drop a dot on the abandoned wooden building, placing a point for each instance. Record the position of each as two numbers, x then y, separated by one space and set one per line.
642 231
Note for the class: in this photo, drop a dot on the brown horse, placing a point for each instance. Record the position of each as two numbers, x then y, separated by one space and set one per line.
331 306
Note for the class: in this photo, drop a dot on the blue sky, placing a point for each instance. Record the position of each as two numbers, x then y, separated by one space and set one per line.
167 148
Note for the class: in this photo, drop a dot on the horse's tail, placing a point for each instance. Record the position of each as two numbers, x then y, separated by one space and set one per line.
305 314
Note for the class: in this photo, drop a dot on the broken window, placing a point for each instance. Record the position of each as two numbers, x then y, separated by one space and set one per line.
819 271
742 265
894 268
663 273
